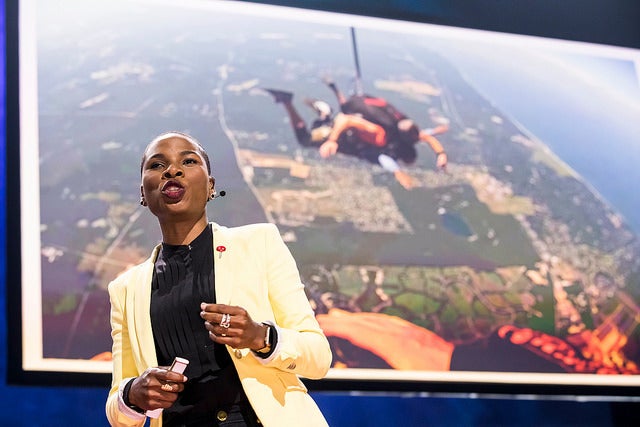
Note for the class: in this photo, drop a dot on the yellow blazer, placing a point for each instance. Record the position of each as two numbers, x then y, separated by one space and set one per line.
255 271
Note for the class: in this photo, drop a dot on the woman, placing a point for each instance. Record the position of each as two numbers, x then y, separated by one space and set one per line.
229 300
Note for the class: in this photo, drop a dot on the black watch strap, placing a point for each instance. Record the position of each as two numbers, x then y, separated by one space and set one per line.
267 340
272 338
125 397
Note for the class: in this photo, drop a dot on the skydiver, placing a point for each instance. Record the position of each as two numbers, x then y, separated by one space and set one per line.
400 129
344 133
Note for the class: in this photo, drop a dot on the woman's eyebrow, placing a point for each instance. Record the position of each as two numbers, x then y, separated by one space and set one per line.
155 156
187 152
162 156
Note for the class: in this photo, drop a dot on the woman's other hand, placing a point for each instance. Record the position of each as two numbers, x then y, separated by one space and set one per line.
156 388
232 326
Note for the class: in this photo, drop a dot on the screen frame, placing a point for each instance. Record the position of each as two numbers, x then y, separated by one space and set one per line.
16 373
613 25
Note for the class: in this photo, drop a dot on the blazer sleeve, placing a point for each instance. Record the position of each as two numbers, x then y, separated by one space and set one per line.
302 347
123 362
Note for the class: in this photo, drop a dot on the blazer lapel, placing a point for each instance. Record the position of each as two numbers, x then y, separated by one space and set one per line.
222 260
141 313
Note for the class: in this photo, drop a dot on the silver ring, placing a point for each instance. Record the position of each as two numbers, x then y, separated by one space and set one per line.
226 321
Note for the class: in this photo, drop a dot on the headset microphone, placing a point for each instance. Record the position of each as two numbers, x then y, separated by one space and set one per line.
215 194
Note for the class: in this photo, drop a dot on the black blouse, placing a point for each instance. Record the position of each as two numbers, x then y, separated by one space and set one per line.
183 277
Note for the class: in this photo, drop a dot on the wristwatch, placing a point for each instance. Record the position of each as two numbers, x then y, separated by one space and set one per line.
267 340
125 398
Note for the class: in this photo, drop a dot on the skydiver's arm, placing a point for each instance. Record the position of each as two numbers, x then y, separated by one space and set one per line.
366 131
391 165
441 156
388 163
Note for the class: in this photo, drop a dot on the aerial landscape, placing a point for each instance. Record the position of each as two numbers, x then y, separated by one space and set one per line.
507 244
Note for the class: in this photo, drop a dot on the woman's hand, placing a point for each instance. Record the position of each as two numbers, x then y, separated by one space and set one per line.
156 388
232 326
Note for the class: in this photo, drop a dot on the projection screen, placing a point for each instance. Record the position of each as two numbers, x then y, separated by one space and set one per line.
500 247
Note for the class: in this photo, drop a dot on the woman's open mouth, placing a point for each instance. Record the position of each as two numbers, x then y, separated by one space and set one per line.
173 190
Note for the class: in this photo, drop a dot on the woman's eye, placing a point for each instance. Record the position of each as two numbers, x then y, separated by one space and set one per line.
155 165
190 161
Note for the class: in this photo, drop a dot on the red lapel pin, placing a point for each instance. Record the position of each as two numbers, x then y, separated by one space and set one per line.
220 249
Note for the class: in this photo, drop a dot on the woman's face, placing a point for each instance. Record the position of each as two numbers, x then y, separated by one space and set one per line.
175 181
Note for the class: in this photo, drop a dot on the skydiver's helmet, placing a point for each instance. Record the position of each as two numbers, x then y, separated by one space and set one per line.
321 108
322 125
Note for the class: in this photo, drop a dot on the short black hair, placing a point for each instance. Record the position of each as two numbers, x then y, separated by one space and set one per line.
411 135
186 136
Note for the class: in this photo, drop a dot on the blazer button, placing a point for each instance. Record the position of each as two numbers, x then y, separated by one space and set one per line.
221 416
292 365
238 354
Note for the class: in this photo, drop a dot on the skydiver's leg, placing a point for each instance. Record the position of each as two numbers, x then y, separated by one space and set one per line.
334 88
297 122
